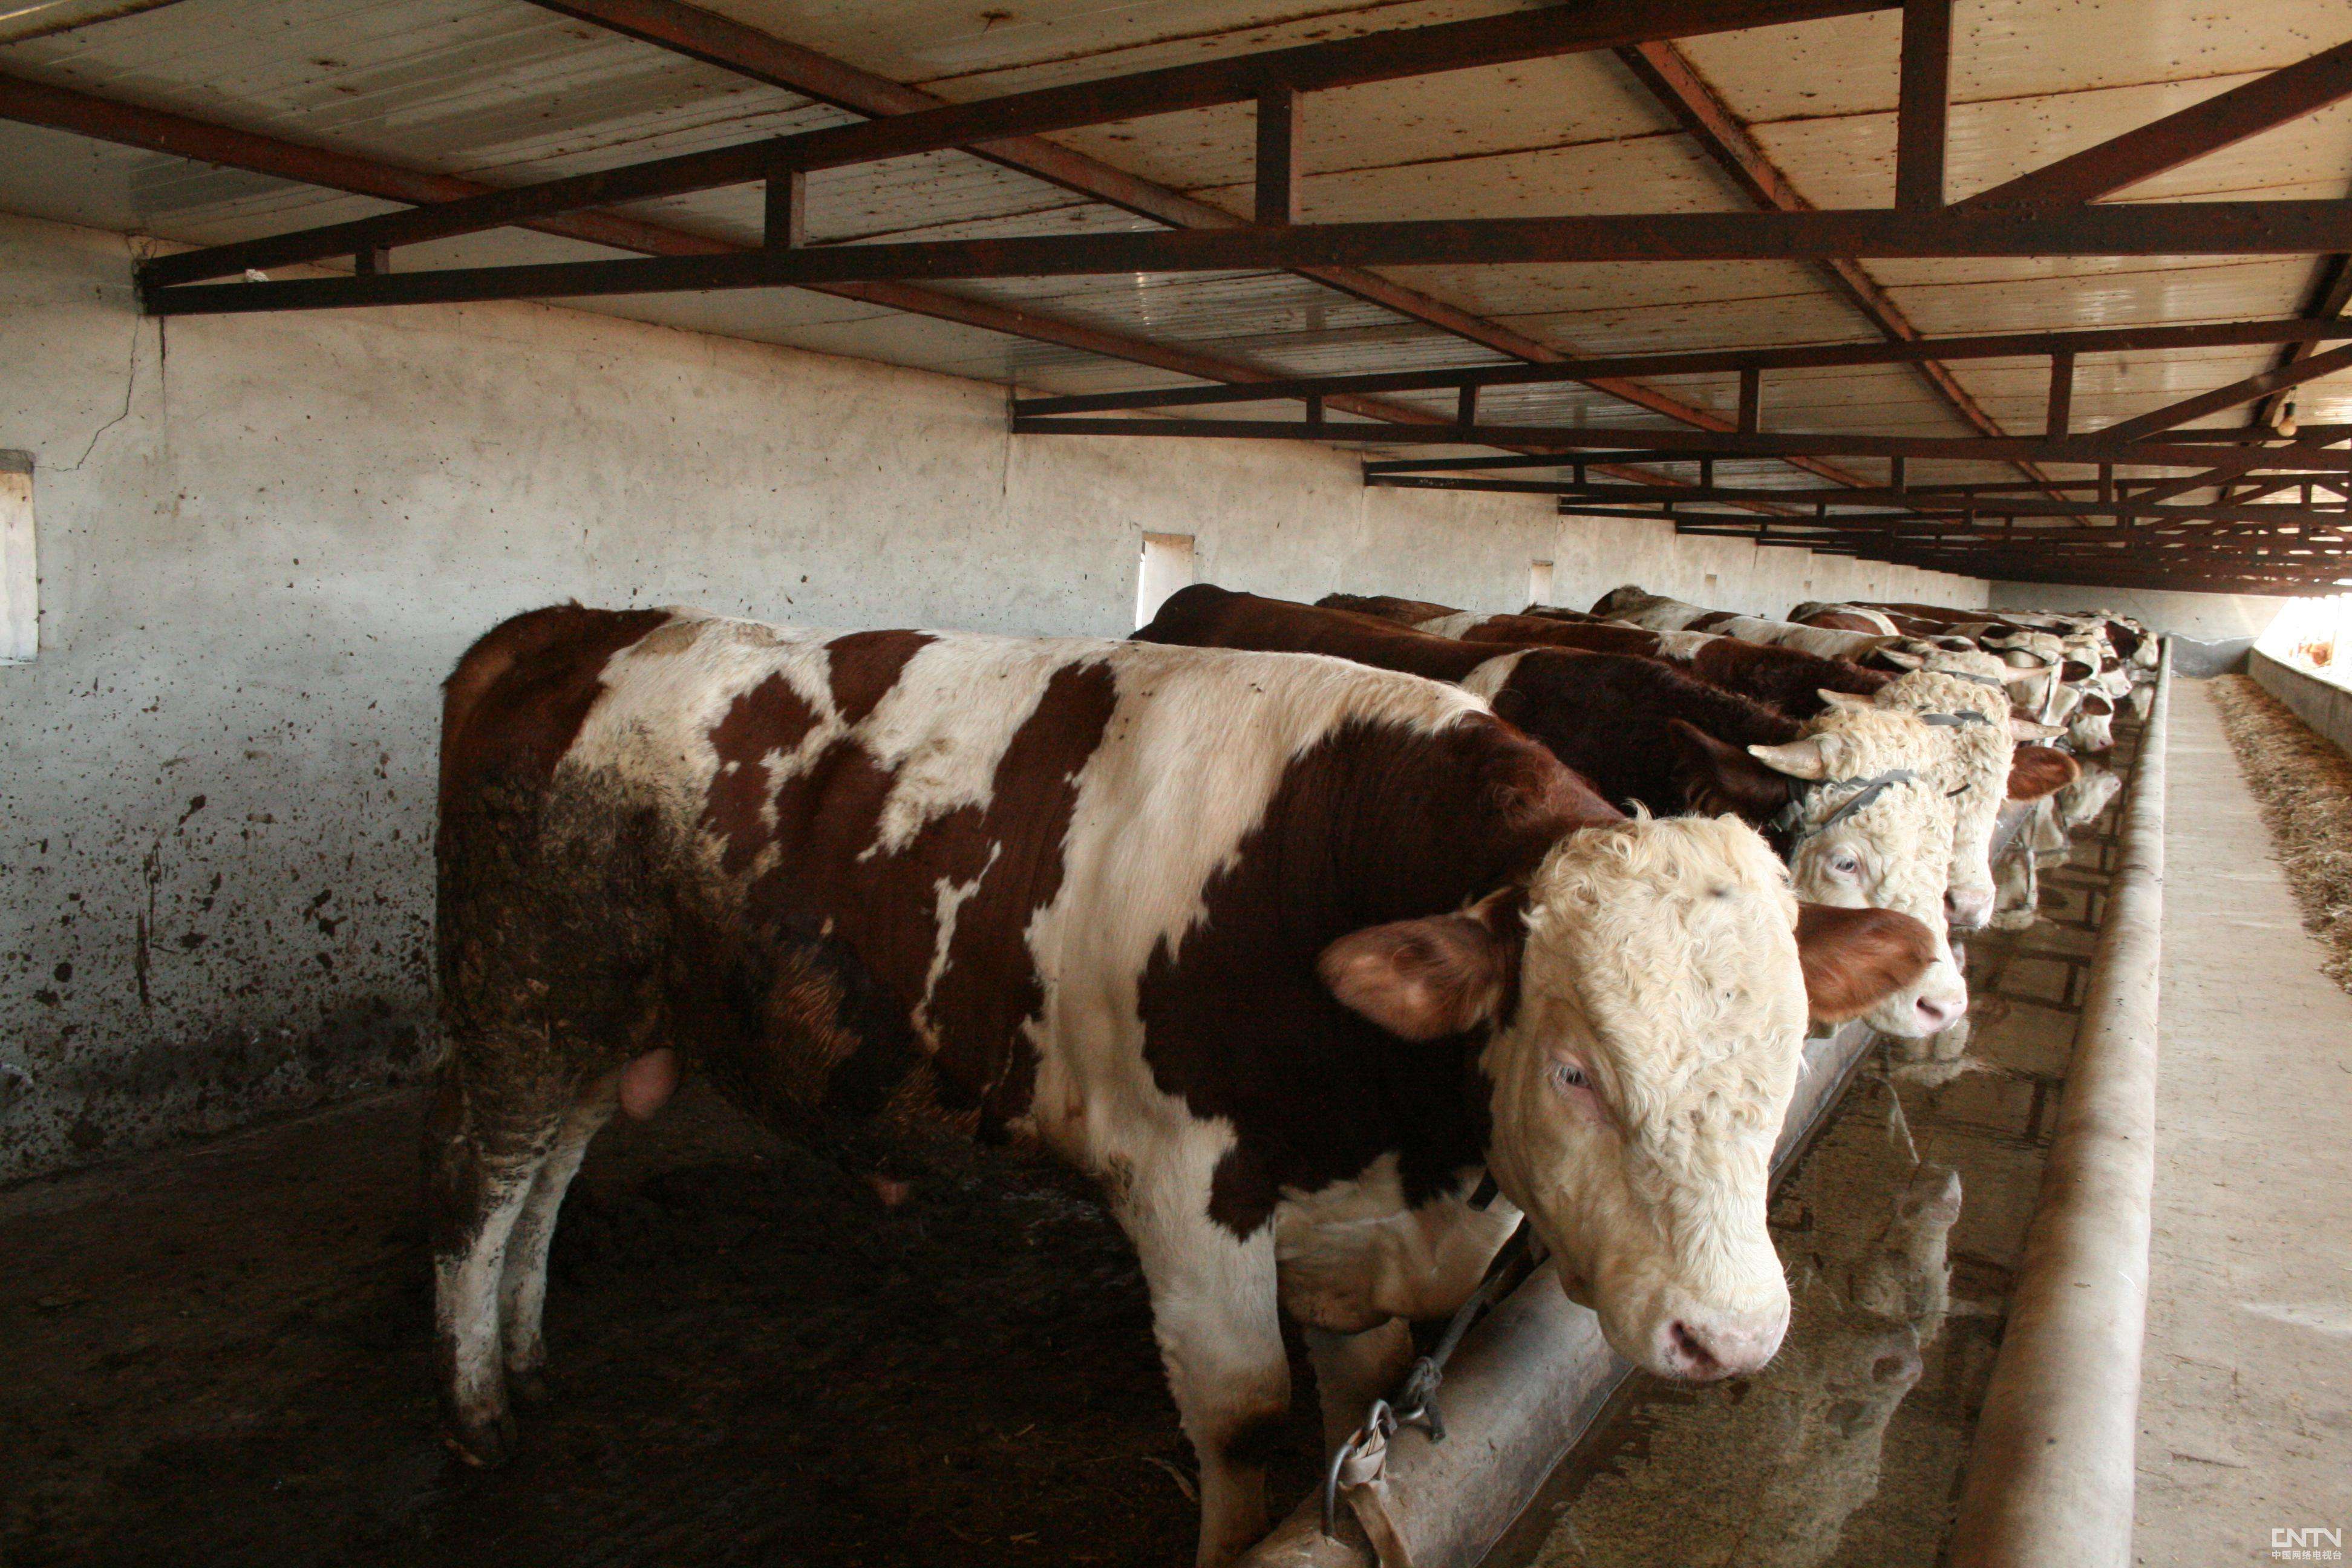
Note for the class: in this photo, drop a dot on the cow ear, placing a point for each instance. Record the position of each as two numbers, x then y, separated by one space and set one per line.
1424 978
2029 729
1855 959
2036 771
1806 759
2013 676
1717 776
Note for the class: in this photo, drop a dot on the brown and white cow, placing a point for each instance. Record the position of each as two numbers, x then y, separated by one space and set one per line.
1284 952
1850 797
1841 618
1637 606
1782 678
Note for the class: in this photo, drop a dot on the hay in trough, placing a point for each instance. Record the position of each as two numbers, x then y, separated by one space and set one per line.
2304 787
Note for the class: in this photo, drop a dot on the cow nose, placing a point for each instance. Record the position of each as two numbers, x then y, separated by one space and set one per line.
1703 1349
1968 909
1941 1013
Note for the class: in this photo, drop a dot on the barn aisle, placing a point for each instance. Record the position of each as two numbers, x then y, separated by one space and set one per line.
2246 1404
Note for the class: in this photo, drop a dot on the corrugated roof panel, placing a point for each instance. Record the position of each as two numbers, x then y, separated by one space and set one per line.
2011 48
1849 161
1576 100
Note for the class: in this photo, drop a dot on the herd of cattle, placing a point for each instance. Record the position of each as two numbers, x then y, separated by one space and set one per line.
1330 939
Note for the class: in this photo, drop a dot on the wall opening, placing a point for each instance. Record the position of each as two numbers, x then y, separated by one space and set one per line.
20 609
1166 566
1538 581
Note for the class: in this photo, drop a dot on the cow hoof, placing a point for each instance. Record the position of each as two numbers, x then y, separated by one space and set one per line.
528 1385
485 1445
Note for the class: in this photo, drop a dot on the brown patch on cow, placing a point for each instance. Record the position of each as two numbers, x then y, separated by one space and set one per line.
1711 620
866 665
1372 825
1558 613
1719 777
2038 770
1539 631
1787 679
1855 959
1841 621
517 698
769 720
1383 607
851 929
2075 671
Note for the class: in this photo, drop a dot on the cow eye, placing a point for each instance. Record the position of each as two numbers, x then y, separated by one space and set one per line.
1567 1075
1846 863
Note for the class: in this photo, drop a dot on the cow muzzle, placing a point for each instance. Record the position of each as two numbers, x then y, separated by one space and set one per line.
1704 1348
1968 909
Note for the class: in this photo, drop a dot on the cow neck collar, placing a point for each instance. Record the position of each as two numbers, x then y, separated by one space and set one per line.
1791 818
1953 720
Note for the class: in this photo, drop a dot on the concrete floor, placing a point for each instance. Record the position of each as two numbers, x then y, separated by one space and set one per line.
2246 1403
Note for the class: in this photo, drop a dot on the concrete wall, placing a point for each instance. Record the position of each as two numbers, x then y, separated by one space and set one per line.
2207 618
2319 702
263 540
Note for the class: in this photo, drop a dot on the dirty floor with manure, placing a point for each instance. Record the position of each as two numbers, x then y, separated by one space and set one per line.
220 1356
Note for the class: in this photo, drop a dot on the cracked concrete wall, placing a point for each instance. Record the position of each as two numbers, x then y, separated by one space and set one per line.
264 538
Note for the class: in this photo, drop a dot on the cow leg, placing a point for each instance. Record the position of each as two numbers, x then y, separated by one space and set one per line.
523 1288
1353 1370
1215 1312
486 1143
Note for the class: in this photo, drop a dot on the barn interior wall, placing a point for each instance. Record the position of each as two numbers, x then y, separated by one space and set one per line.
264 538
2207 618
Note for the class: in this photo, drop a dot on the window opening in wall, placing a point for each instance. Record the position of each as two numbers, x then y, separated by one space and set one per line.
1167 566
1710 587
1538 581
20 610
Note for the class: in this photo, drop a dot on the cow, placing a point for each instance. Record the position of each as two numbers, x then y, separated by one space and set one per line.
1781 677
1638 607
1287 953
1849 796
1843 619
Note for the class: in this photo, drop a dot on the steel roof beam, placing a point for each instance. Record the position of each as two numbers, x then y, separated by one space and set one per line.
1908 351
2304 88
2089 450
2201 228
1912 506
1345 62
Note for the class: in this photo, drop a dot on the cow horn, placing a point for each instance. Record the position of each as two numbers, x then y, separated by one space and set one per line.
1843 698
1805 759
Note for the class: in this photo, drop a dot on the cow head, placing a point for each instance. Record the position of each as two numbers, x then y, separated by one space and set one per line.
2092 726
1867 824
1974 775
1647 992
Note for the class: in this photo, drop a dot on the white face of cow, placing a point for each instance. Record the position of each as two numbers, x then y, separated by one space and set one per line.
1980 746
1859 846
1642 1081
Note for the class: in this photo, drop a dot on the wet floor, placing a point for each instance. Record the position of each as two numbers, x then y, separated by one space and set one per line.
1900 1231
